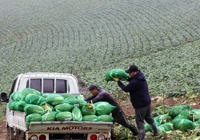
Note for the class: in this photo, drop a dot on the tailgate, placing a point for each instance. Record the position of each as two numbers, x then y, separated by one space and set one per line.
70 127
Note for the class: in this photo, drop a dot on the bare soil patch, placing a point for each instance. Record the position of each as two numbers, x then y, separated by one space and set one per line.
3 131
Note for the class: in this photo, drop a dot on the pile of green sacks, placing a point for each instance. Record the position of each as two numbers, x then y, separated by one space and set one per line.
181 117
119 73
58 107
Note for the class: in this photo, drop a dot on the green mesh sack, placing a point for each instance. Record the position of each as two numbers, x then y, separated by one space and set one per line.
183 124
176 110
160 129
75 101
47 107
157 123
35 99
16 96
198 122
147 127
27 91
49 116
105 118
41 100
33 118
54 99
11 105
91 118
76 114
33 109
161 119
166 127
45 95
88 109
103 108
180 117
63 107
195 114
108 76
67 95
80 97
20 105
121 74
187 114
64 116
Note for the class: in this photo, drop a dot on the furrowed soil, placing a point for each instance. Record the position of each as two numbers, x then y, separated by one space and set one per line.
129 111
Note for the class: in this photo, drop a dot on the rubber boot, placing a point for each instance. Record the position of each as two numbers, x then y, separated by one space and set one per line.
113 137
155 130
141 134
133 129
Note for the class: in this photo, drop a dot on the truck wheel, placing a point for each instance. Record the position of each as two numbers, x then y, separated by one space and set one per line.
20 135
10 134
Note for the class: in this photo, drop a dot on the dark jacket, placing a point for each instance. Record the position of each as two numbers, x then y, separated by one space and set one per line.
138 89
106 97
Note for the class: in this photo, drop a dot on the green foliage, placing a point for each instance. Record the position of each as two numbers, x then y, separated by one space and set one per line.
163 43
2 111
159 110
88 109
133 34
123 133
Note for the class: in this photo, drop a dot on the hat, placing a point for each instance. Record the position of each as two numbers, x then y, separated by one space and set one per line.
93 86
132 68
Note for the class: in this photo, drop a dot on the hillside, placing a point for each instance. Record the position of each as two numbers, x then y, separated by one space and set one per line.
90 37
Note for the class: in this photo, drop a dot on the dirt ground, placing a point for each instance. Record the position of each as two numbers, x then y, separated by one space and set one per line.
159 100
3 134
129 111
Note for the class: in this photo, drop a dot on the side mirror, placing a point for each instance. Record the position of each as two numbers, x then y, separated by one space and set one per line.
3 97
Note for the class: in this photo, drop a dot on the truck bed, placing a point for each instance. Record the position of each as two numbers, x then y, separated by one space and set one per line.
75 127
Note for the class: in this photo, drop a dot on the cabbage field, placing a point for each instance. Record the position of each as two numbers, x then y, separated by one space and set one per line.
89 37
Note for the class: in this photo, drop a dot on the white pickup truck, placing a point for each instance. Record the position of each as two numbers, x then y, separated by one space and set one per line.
55 130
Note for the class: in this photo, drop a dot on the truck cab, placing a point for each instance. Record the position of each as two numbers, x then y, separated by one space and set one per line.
58 83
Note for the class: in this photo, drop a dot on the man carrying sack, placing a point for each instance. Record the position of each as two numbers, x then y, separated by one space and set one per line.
118 115
140 99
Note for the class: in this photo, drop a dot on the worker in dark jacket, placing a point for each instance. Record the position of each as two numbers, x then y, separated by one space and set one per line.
140 99
117 114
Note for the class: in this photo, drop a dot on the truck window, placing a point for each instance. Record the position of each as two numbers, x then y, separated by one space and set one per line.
35 84
61 86
49 85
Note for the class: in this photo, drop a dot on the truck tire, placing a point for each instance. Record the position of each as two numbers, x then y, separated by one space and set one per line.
20 135
10 134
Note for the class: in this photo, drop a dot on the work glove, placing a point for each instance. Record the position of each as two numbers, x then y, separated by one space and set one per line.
115 79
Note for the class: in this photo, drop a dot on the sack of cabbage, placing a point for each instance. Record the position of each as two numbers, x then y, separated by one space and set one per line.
58 107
